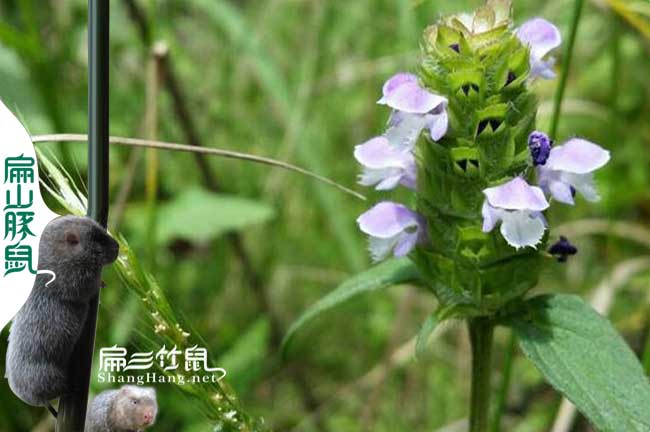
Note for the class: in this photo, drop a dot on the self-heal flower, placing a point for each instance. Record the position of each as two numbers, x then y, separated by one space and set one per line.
414 109
392 227
569 169
518 206
385 165
542 37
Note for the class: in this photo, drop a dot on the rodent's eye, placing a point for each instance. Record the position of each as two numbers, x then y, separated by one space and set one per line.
72 238
134 401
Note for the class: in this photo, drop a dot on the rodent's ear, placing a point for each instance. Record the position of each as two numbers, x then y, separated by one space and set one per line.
72 237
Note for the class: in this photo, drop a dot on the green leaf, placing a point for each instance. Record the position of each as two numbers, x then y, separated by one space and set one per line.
386 274
197 215
424 334
580 353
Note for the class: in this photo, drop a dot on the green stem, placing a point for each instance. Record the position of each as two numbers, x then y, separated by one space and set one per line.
502 395
568 54
480 333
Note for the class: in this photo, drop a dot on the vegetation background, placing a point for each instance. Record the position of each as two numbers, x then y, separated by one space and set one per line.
243 249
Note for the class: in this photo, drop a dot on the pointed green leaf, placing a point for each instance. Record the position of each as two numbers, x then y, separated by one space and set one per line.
580 353
386 274
197 215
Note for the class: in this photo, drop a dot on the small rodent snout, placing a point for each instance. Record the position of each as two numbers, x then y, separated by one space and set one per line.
147 416
111 249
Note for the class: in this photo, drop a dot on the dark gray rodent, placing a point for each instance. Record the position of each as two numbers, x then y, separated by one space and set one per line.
129 409
47 327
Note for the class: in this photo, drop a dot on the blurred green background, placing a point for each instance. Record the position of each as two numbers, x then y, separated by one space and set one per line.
242 249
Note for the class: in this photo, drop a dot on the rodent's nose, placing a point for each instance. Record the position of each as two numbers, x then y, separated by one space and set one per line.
112 250
148 417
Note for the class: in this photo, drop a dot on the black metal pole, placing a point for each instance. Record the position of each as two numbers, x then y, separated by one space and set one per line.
72 407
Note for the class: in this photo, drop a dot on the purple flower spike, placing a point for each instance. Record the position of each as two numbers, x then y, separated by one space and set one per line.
518 206
384 165
540 147
569 169
542 37
392 227
562 249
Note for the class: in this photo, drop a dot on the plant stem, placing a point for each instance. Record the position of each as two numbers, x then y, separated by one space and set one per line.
480 333
230 154
502 395
568 55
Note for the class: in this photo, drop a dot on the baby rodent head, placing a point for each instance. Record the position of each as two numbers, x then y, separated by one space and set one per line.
76 241
134 408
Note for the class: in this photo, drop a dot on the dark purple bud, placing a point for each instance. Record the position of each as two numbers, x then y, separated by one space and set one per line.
562 249
511 77
540 147
455 47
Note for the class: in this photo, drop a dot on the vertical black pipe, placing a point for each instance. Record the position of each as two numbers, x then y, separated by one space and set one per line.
72 407
98 19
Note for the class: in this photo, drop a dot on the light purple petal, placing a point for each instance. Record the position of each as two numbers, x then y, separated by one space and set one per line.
392 227
397 80
438 124
583 184
516 195
563 185
389 182
491 216
378 153
577 156
403 93
542 68
385 165
405 244
561 192
541 35
404 129
388 178
396 117
380 248
387 219
409 177
521 228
